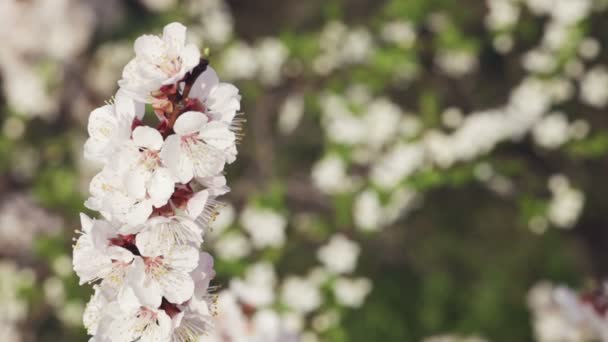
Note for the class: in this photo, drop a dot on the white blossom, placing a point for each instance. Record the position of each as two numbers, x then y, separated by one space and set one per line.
352 292
265 226
594 87
340 254
199 147
158 61
300 294
157 193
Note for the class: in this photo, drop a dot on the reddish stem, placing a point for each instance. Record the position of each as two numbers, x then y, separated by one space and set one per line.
180 100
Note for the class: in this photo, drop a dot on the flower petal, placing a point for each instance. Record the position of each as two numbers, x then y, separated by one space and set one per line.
197 204
189 122
175 160
203 84
177 286
102 123
161 187
159 330
174 36
147 137
147 292
217 134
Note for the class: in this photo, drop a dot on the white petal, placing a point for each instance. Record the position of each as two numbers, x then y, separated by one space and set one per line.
174 36
203 274
147 137
125 107
93 311
146 290
191 57
207 161
175 160
94 149
102 122
203 84
224 102
215 184
135 184
149 48
86 222
182 257
120 329
150 243
89 264
161 187
139 213
177 286
125 103
197 204
175 230
217 134
189 122
158 331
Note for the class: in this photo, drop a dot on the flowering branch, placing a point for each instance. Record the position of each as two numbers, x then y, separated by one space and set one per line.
157 194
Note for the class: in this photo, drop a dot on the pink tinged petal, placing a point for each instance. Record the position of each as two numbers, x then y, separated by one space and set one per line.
175 160
217 134
197 204
189 123
161 187
147 137
203 84
174 36
203 274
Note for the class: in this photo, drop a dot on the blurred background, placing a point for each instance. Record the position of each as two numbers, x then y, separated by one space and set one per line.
412 170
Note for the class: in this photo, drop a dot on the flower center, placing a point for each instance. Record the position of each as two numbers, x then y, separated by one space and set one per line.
125 241
170 66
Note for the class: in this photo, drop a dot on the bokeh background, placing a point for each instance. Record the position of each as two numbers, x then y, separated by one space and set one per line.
411 169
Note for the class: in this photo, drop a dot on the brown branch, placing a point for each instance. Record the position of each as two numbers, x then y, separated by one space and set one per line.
178 100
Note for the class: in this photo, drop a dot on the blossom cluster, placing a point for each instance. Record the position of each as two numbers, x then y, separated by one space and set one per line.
248 308
561 314
156 194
